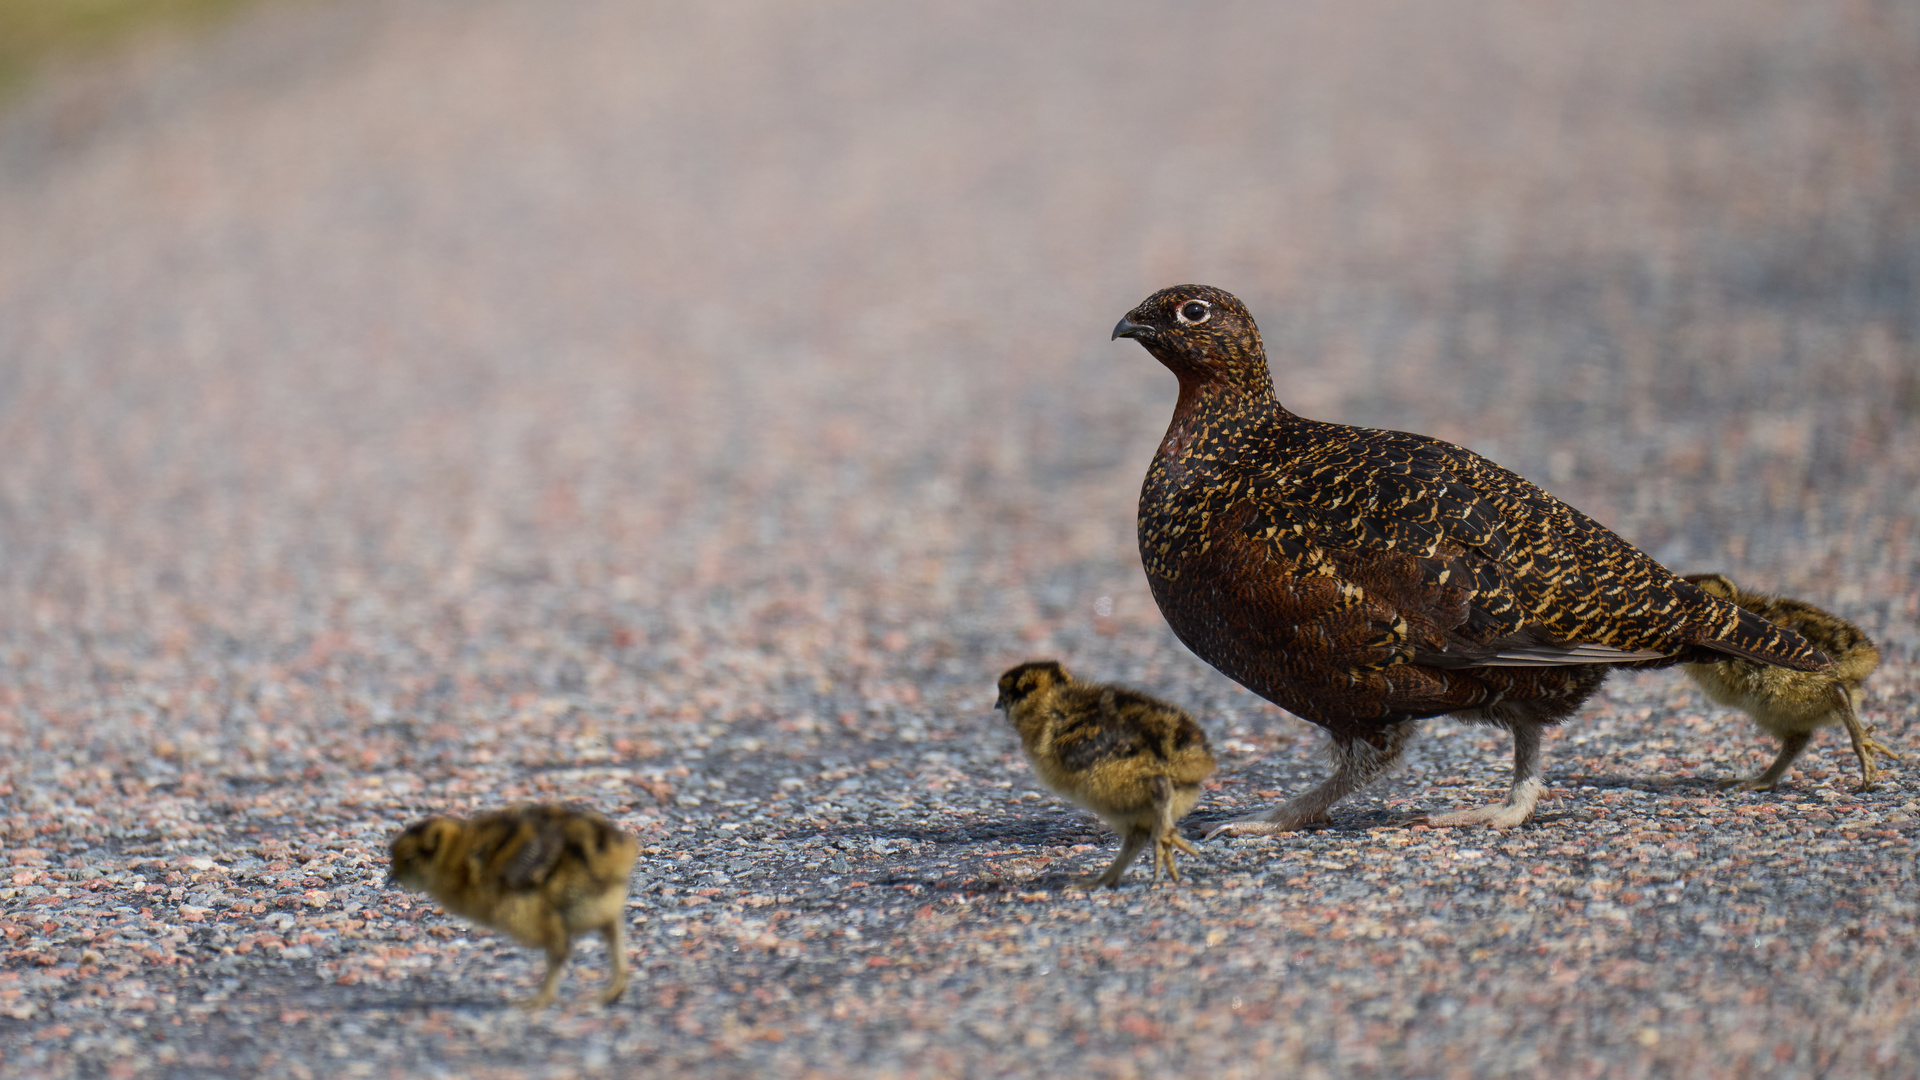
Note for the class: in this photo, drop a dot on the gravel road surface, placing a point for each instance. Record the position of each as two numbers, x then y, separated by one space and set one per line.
690 410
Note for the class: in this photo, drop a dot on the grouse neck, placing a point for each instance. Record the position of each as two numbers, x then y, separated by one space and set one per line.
1204 415
1213 397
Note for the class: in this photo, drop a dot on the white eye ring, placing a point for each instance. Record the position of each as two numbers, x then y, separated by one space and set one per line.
1180 313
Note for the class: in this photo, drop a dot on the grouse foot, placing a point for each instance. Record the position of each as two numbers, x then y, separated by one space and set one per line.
1510 814
1283 819
1751 783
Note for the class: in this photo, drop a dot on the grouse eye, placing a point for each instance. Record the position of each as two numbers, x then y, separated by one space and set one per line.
1193 312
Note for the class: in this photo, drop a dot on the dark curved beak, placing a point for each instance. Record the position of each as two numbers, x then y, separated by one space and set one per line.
1123 328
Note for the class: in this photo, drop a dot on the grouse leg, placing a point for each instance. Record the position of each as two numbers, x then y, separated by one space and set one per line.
1356 764
1526 790
1791 744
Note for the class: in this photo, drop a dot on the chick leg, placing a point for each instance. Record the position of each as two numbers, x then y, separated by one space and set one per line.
615 935
1130 845
1356 764
1865 746
1524 794
559 945
1790 746
1165 837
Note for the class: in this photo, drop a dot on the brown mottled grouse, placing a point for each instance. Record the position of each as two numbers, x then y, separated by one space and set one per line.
1790 705
1366 579
1134 760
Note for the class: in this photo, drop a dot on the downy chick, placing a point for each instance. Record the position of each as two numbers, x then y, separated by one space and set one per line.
1789 704
1135 761
541 874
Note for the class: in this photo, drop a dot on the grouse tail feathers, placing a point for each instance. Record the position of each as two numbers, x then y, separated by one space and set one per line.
1739 632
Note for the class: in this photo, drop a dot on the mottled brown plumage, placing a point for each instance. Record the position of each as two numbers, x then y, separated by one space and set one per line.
1134 760
541 874
1791 705
1366 579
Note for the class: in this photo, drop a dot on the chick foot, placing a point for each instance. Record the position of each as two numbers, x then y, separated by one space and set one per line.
537 1002
1866 747
1163 855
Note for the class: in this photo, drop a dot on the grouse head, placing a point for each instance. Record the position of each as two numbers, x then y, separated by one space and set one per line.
1204 336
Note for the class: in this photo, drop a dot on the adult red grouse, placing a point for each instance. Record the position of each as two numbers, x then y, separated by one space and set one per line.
1366 579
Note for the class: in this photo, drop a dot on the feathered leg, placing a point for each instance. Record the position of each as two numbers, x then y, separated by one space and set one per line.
1356 764
1524 794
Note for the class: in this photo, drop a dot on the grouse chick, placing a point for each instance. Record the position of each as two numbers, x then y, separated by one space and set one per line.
541 874
1365 579
1790 705
1135 761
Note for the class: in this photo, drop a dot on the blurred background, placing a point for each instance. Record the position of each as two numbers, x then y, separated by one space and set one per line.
690 409
371 365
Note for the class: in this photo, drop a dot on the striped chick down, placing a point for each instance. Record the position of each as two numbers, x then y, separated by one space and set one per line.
542 874
1134 760
1787 704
